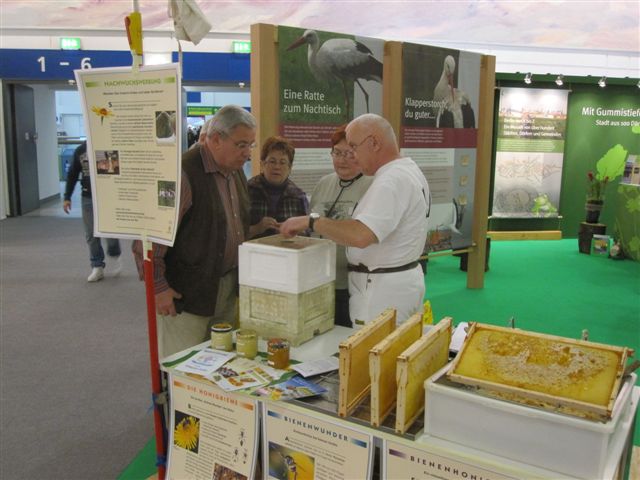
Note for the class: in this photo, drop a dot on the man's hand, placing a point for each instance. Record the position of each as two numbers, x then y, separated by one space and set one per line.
66 206
164 302
294 225
266 223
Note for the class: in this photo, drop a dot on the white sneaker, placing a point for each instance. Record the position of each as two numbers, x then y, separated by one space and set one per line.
97 274
117 265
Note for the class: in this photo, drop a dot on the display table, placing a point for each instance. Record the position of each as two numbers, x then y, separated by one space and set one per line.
298 439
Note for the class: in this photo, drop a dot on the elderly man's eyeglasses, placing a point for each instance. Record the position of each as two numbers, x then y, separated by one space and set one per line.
241 145
354 146
337 153
272 162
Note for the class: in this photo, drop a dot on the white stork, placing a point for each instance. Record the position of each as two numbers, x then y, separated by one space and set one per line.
456 110
340 59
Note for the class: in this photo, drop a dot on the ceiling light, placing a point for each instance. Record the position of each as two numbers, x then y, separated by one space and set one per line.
602 82
560 80
527 78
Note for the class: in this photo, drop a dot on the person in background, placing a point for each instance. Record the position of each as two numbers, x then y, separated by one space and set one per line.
274 197
96 252
196 280
387 232
336 196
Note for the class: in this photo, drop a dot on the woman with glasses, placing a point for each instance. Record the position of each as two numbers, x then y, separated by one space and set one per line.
336 196
274 197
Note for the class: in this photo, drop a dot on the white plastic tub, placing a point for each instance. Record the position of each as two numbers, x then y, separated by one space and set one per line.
553 441
291 266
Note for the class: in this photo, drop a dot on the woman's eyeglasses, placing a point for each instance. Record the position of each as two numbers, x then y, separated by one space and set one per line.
272 162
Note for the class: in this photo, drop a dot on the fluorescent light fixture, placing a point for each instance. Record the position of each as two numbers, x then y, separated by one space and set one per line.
560 80
527 78
156 58
602 82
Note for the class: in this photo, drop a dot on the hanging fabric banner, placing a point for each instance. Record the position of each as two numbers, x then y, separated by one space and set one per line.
529 152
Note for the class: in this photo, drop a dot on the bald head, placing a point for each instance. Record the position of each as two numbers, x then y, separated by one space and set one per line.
372 141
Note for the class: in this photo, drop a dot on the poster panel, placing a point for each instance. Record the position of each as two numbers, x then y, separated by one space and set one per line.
529 152
133 147
326 79
213 434
304 447
403 462
441 89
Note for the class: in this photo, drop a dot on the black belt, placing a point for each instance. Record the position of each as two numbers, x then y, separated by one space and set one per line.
360 268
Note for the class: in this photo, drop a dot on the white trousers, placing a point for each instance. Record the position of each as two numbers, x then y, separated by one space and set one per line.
187 329
372 293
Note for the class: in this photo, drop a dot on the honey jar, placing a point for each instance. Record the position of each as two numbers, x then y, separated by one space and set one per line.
221 338
247 343
278 353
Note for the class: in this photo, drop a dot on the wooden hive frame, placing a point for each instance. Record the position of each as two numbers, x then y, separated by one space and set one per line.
546 401
417 363
382 367
354 360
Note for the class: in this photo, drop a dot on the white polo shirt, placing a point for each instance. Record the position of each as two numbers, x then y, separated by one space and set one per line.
395 209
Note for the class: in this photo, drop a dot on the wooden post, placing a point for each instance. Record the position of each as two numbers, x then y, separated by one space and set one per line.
392 85
476 260
265 83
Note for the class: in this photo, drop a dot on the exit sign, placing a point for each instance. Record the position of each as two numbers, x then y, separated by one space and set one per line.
241 47
68 43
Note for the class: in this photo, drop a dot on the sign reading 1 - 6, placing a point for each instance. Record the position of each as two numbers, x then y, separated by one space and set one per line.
27 64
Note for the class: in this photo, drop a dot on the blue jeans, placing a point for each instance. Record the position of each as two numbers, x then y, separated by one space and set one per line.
96 253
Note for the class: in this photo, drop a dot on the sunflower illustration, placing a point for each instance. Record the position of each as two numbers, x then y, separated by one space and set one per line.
102 112
187 433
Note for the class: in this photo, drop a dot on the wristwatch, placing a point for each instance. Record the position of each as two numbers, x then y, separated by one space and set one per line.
312 219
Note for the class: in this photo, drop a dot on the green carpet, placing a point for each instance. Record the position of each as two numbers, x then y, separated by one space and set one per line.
547 286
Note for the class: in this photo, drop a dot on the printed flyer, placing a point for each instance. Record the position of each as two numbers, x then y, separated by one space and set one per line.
441 89
133 144
404 462
212 433
304 447
326 80
529 152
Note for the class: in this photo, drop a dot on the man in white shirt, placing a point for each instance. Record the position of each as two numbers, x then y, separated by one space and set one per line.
388 229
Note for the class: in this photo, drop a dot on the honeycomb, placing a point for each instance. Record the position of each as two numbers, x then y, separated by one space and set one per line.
547 365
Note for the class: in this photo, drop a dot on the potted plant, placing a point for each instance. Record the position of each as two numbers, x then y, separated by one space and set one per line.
595 196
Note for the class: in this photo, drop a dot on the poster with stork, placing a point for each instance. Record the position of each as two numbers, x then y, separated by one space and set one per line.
326 79
439 132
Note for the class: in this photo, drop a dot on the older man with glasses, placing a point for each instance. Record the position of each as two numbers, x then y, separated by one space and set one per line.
196 280
388 229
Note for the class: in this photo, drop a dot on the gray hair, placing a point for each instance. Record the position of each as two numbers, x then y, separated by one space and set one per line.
375 123
228 118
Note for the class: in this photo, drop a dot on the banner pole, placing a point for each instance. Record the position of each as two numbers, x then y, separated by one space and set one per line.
156 381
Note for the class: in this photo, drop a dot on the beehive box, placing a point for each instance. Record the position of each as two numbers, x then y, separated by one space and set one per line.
560 374
292 265
298 317
572 446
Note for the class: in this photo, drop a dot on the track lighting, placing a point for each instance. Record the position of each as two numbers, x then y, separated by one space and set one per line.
602 82
560 80
527 78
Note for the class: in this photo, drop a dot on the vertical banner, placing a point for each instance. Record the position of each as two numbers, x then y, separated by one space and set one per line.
302 447
213 433
529 152
402 461
439 132
133 147
326 79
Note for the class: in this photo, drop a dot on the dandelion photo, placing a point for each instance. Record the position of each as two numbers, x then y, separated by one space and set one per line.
102 112
186 433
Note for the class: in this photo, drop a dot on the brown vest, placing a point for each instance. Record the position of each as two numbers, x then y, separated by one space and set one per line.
193 264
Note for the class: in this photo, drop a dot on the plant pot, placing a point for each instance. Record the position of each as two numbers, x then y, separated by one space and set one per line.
593 208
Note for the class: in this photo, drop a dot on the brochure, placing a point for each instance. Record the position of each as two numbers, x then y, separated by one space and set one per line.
295 387
242 373
316 367
206 362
